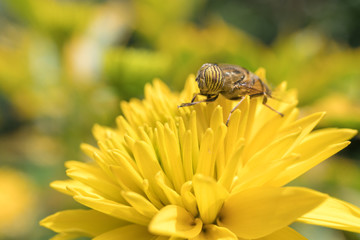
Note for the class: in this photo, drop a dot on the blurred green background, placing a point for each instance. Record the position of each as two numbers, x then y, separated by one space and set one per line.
65 65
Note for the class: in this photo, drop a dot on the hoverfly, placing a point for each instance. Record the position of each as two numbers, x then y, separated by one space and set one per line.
231 81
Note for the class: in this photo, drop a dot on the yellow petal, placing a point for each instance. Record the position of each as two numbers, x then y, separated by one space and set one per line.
96 179
268 155
218 156
188 198
88 149
129 232
189 88
123 159
216 118
151 195
62 186
306 124
172 196
160 142
146 159
205 164
187 155
118 210
149 166
140 203
81 165
101 132
258 212
175 221
163 95
195 140
210 196
233 133
266 133
128 112
231 168
101 159
301 165
252 104
88 223
128 178
261 73
286 233
67 236
321 139
213 232
174 157
268 124
181 128
334 213
130 142
124 127
202 117
262 178
143 135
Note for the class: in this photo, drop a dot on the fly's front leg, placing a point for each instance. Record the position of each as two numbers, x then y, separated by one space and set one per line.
194 97
210 98
190 103
232 110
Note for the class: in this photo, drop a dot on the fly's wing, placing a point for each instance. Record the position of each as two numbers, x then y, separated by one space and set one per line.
232 68
234 76
233 73
239 82
255 86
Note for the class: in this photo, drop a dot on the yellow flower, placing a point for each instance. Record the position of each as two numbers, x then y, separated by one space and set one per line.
17 195
182 173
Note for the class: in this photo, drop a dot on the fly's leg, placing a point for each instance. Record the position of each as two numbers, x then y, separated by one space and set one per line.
195 95
190 103
232 110
264 102
210 98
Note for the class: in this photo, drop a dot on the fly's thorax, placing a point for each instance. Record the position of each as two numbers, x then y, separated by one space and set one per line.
210 79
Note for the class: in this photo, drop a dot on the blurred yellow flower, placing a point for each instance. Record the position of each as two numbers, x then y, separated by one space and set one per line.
173 173
341 110
18 200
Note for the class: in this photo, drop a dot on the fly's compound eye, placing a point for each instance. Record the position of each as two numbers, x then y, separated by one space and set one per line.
213 77
200 80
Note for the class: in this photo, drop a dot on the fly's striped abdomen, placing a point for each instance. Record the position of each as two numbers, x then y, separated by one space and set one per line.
213 78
